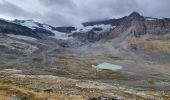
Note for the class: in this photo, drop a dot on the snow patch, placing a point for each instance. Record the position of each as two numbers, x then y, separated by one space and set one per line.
60 35
47 27
104 28
150 18
30 24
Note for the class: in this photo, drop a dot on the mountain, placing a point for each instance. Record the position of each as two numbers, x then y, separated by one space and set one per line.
127 23
141 26
67 59
44 28
9 27
34 25
90 32
134 24
38 30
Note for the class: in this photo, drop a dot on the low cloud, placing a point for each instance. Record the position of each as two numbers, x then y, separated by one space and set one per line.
71 12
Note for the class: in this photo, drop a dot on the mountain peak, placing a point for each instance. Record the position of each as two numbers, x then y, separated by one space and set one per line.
135 16
135 13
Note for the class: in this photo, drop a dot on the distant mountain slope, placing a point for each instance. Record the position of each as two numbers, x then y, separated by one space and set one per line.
45 29
12 28
91 31
134 37
88 33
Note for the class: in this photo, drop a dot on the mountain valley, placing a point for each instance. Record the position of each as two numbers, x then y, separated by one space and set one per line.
44 62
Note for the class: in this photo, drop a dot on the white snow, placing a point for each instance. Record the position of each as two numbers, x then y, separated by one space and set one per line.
60 35
64 36
30 24
105 28
47 27
150 18
22 37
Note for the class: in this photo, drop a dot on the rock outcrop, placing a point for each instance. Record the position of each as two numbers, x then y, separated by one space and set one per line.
138 26
89 36
157 27
126 23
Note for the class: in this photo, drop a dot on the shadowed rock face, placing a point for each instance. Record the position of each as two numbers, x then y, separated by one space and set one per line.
43 31
90 36
67 29
8 28
135 16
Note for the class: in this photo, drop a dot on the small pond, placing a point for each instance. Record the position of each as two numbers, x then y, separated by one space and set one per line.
109 66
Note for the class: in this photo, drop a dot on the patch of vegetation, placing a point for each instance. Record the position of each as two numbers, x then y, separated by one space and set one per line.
34 88
14 93
153 45
115 58
63 72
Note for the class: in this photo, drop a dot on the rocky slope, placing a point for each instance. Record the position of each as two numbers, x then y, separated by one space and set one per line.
139 44
130 37
140 26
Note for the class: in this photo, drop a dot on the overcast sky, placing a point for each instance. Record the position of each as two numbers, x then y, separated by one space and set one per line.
71 12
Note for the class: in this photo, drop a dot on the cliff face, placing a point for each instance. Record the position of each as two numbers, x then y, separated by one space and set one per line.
127 23
138 26
90 36
152 27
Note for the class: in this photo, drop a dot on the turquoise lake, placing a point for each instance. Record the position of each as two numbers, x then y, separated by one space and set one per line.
109 66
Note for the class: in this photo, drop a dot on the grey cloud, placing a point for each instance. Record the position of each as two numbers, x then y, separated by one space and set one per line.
58 3
154 8
77 11
67 12
11 9
103 9
56 19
